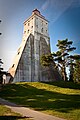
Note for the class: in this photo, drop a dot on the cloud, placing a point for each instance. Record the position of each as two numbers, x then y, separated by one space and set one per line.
45 5
56 8
56 4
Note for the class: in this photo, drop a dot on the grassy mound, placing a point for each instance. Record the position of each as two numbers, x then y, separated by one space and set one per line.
61 99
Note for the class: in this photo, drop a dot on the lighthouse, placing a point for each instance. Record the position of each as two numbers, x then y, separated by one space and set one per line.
35 42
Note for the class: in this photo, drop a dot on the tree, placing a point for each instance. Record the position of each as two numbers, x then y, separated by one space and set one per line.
62 57
1 73
73 64
71 69
76 74
0 59
0 22
1 67
46 60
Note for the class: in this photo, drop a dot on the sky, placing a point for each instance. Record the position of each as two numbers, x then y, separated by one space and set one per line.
63 17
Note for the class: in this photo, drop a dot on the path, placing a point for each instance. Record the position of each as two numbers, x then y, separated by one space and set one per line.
27 112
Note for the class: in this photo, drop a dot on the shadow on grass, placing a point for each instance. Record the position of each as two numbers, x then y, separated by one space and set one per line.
40 99
12 118
65 84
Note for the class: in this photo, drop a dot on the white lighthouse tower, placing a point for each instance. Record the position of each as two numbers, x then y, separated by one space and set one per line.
35 42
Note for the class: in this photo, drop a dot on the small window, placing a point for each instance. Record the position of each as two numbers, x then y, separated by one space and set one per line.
37 26
31 26
13 65
28 24
42 30
25 24
24 32
18 53
28 31
42 23
46 31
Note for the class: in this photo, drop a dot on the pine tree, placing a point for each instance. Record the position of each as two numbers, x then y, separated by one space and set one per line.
72 66
61 57
0 22
1 67
76 74
1 73
71 70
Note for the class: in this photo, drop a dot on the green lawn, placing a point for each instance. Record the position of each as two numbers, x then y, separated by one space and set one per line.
7 114
58 98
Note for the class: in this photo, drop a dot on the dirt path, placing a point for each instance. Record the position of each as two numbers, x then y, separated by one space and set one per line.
35 115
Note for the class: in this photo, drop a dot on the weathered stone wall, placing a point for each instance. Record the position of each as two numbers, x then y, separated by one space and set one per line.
25 68
47 73
29 68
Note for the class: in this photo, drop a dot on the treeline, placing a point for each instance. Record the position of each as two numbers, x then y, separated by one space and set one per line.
1 73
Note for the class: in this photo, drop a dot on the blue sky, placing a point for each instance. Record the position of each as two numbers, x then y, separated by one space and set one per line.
63 17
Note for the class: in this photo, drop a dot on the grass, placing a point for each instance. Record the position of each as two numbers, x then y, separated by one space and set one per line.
61 99
7 114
